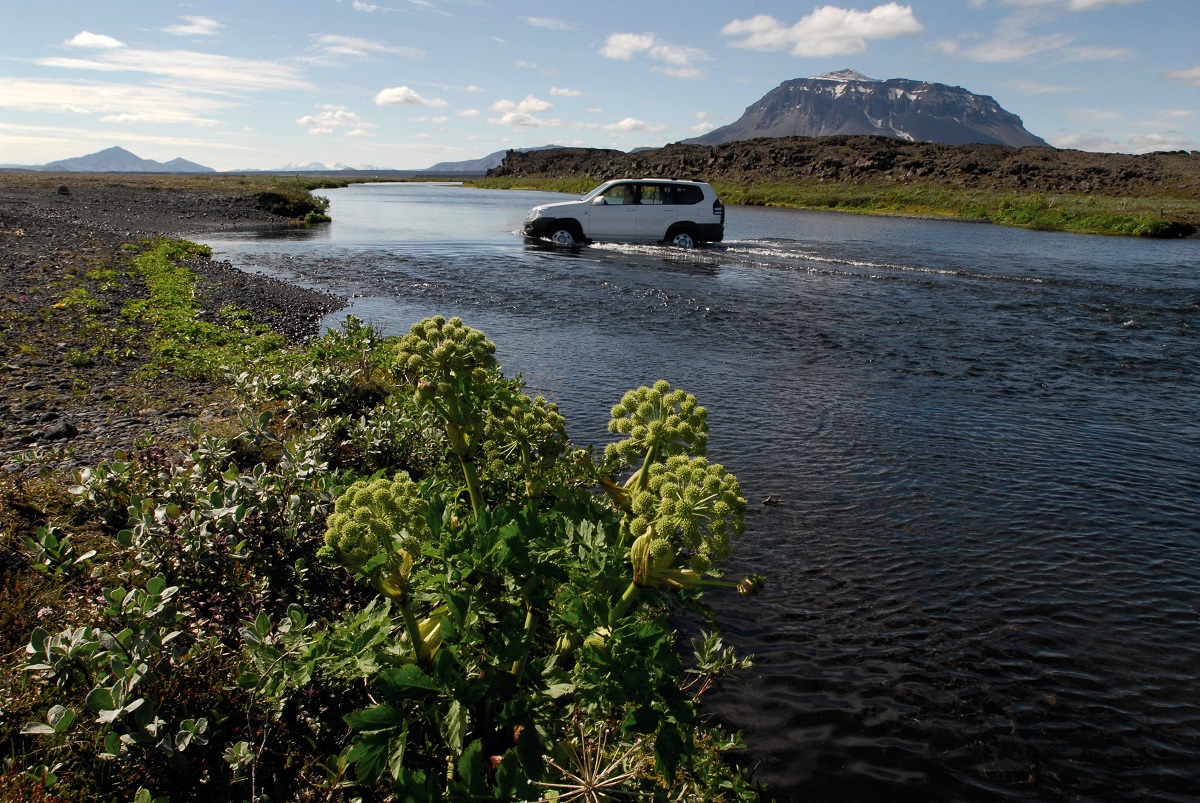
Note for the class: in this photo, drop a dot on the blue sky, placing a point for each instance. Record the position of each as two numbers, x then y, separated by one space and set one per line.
408 83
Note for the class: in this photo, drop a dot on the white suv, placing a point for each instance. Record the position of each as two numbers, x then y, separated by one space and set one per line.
629 210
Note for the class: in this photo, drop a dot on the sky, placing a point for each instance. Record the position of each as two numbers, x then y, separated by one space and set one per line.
405 84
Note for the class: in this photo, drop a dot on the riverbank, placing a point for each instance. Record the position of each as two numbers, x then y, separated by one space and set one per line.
72 386
188 619
1148 195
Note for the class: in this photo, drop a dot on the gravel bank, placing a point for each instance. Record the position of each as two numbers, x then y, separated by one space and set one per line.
61 405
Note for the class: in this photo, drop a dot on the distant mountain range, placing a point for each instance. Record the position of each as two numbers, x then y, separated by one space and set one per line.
119 160
849 103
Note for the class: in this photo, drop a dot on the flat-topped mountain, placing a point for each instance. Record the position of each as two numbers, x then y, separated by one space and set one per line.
848 102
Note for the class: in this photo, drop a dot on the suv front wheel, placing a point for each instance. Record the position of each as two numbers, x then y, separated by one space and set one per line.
565 236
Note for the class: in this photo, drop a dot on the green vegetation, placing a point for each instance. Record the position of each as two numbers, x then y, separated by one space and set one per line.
181 342
1074 212
389 576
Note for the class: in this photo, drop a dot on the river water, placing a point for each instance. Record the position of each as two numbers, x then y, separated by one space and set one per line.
984 564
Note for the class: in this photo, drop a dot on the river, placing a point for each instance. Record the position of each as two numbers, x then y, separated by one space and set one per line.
984 564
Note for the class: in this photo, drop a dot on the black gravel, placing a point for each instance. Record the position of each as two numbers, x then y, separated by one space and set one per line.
60 409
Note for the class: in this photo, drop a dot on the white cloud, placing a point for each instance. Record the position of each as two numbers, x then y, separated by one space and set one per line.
195 26
358 5
527 106
827 31
1013 48
623 46
1190 77
469 113
403 96
474 90
549 23
523 120
336 45
1092 116
113 102
680 59
563 92
1096 53
206 71
630 125
521 113
1123 143
333 117
96 40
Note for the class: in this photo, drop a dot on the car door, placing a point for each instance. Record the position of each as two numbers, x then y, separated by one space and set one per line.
613 214
656 211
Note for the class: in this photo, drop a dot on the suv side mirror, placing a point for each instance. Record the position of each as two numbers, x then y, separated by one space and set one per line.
599 201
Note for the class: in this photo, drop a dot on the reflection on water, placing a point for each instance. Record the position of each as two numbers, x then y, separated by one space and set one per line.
984 576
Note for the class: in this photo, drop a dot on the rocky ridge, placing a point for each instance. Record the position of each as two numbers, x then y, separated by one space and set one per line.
877 160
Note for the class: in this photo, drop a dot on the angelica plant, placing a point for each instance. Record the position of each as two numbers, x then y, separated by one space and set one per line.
660 423
376 529
528 434
687 514
455 372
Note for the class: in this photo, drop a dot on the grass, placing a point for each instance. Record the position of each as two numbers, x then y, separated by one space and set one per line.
1070 212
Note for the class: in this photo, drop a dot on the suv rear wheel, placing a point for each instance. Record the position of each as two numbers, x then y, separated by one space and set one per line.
683 238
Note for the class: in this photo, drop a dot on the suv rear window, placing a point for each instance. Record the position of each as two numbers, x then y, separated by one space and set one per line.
687 194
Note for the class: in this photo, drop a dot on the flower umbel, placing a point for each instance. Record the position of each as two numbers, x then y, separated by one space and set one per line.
375 528
660 423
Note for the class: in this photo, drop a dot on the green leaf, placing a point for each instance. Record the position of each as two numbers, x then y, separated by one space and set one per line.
471 769
369 754
37 729
60 718
405 680
455 726
37 640
112 743
100 699
377 718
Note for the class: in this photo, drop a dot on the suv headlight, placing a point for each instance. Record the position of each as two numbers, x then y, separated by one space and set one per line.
536 213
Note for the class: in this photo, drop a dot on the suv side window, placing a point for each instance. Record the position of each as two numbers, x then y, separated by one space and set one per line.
655 194
619 194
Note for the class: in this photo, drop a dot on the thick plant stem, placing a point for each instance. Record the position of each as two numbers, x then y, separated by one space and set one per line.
414 633
623 604
473 487
530 623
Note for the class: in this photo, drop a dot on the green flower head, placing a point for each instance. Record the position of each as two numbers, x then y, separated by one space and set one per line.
659 422
694 506
437 352
375 517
